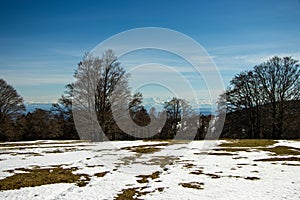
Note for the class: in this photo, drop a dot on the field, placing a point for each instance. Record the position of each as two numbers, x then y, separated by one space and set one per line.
222 169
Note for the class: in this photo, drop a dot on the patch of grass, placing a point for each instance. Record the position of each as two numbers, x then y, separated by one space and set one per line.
160 189
216 153
175 141
252 178
101 174
54 151
146 150
290 164
197 172
279 159
24 153
188 165
144 178
131 193
222 154
42 176
46 146
248 143
135 193
236 149
200 172
127 160
283 150
152 148
18 144
239 157
214 176
194 185
162 161
243 164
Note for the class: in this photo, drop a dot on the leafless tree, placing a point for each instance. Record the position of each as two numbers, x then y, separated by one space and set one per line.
280 82
11 106
11 103
260 97
100 93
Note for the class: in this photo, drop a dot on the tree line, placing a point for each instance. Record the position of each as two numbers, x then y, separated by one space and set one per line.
261 103
264 102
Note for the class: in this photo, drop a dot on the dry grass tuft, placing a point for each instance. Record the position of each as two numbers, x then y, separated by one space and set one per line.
145 149
144 178
193 185
42 176
283 150
131 193
248 143
101 174
279 159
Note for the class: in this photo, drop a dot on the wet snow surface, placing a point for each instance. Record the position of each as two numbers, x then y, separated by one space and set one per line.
220 174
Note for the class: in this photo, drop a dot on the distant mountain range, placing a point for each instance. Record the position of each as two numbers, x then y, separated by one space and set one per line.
157 103
30 107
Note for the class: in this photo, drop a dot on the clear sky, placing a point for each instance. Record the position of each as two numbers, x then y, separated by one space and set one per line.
42 41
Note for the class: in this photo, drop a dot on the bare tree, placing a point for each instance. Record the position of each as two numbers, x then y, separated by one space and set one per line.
11 106
245 94
100 93
280 82
11 103
260 97
179 118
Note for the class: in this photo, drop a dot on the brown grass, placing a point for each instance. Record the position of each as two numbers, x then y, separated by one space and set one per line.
188 165
33 143
131 193
248 143
279 159
101 174
162 161
193 185
152 148
42 176
144 178
283 150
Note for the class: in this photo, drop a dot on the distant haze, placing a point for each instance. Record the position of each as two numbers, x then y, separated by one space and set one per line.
148 103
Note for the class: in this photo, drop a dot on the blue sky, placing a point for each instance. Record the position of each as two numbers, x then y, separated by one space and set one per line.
42 41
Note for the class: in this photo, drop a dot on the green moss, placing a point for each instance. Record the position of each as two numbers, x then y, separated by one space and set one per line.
38 176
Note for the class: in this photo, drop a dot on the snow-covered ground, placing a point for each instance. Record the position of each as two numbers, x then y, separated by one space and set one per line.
219 174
